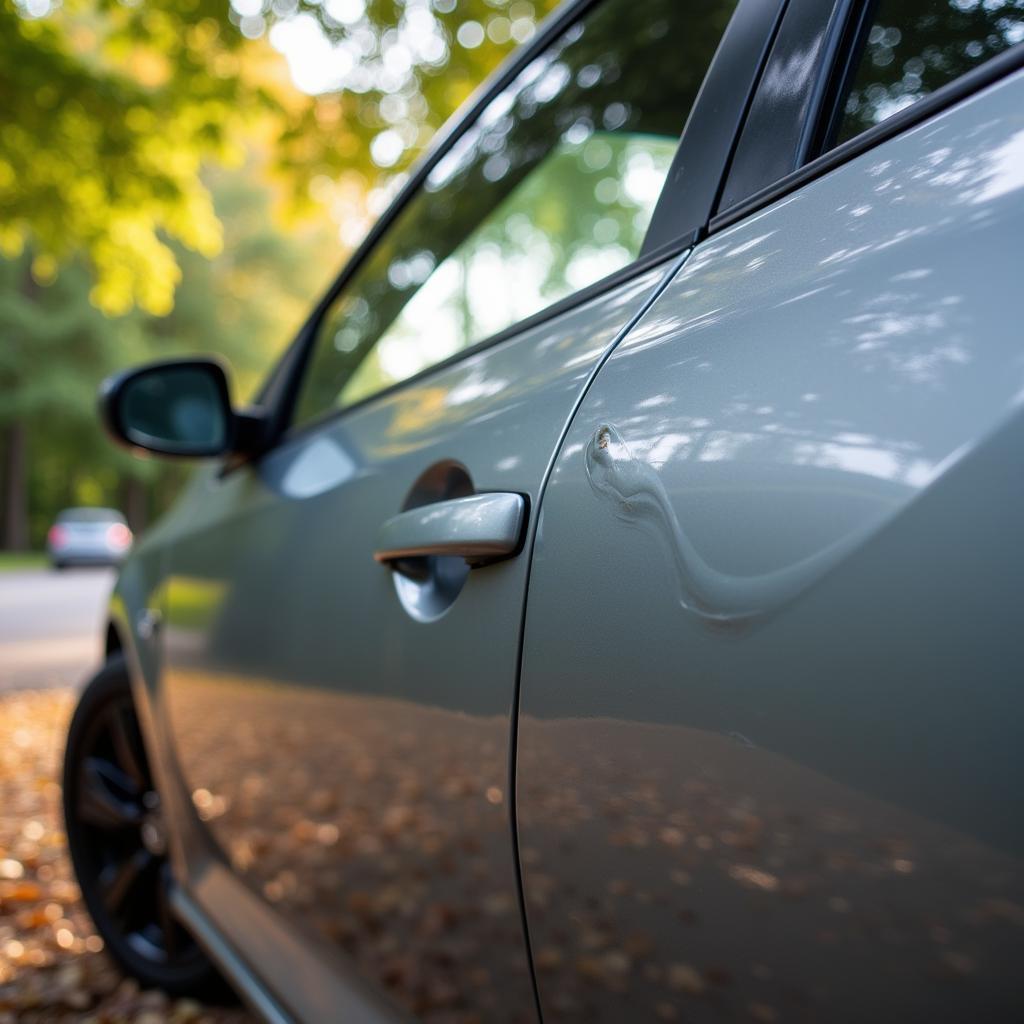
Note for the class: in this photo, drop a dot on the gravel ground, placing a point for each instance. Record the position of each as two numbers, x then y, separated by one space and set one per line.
52 964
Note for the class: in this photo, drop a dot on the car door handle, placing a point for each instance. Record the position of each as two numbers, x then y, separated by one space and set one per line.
481 528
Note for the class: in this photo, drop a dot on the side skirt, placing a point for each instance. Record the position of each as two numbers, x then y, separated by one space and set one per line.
227 960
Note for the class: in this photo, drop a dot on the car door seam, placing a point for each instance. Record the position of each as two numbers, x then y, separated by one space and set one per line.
528 547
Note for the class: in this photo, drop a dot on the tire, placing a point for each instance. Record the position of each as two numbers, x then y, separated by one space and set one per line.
117 842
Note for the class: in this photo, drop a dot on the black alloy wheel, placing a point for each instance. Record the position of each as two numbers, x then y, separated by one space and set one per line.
118 841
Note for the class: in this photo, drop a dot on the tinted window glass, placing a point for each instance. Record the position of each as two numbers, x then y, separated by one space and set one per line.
915 46
550 190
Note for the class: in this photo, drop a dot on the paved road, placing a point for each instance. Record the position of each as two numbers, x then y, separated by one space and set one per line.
51 626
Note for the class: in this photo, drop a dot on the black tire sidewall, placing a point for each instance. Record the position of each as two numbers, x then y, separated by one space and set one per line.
198 976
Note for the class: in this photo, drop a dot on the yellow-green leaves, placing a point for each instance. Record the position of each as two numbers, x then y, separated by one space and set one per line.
110 113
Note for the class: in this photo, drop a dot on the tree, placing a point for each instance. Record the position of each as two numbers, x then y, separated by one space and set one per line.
111 110
115 117
245 304
109 113
405 66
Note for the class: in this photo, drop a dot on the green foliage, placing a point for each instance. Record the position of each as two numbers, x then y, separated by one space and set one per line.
111 109
57 347
20 561
127 231
109 112
413 64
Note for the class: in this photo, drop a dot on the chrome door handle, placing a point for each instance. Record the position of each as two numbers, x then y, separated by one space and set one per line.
481 528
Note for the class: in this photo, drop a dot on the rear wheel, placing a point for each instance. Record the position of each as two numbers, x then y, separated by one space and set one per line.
118 841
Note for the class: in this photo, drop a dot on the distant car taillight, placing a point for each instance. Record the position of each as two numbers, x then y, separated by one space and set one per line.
118 535
57 536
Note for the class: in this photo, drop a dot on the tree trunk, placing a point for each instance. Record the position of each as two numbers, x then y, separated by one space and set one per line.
14 456
15 488
135 503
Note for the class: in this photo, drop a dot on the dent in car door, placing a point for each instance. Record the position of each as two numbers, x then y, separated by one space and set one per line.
769 755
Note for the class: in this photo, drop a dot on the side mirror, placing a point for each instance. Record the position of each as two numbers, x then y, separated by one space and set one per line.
179 408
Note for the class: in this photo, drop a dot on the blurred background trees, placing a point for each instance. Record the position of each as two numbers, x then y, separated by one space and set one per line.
186 175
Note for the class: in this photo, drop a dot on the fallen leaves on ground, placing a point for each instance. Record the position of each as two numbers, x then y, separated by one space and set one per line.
52 966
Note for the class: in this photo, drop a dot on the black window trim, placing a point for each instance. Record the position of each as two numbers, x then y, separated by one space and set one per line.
832 71
712 128
855 18
773 140
713 125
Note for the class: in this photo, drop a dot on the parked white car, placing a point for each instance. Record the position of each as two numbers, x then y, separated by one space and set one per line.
88 536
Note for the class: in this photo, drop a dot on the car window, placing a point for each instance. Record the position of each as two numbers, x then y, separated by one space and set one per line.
914 47
89 515
551 189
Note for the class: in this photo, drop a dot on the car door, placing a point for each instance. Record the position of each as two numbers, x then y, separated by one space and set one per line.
338 682
768 762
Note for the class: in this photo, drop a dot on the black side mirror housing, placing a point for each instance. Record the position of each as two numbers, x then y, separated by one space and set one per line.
179 408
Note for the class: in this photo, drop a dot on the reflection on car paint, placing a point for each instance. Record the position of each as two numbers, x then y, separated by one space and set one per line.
321 465
379 826
818 818
675 874
352 765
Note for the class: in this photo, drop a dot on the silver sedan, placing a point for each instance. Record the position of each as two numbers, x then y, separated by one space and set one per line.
88 536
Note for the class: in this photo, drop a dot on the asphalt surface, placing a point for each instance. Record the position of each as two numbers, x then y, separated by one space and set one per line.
51 626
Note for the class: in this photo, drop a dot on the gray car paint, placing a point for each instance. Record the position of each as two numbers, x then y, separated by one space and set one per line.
769 753
350 762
